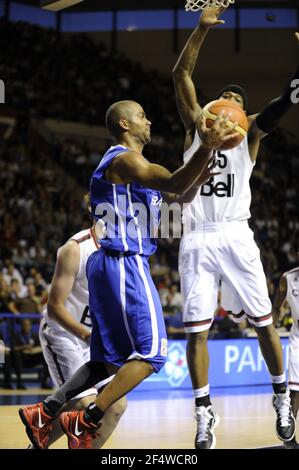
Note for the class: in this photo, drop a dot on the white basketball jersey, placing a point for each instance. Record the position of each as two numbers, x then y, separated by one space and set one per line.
78 300
292 297
225 197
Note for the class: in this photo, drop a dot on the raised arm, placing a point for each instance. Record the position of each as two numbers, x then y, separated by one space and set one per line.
186 98
280 297
265 122
132 166
67 266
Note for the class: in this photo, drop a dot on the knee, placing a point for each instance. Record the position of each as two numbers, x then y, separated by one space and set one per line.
267 332
198 337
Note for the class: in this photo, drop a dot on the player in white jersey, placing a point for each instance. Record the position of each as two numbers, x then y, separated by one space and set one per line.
66 328
218 245
288 290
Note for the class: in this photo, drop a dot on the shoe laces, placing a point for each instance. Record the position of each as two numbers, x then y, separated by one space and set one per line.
282 404
204 419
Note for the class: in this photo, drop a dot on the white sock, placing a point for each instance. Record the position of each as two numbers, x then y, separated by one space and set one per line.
202 392
278 379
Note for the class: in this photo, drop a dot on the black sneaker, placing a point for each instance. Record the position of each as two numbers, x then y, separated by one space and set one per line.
207 420
285 422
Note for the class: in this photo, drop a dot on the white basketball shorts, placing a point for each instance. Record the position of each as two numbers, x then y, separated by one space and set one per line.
293 372
64 355
227 252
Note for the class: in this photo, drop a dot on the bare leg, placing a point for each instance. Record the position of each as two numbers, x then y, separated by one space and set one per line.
198 364
271 349
127 377
109 422
198 358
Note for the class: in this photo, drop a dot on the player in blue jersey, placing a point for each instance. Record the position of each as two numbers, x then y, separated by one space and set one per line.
128 326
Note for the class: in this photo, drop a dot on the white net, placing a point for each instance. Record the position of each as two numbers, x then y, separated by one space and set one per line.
196 5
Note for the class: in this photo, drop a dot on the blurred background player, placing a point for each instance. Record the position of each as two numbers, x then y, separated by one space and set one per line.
65 332
128 324
222 245
288 290
27 352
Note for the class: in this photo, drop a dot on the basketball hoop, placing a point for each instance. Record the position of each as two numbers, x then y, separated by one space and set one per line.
196 5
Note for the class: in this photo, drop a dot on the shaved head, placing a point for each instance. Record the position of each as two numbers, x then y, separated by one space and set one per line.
116 112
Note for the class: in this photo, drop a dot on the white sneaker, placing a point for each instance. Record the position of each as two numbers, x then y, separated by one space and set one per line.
285 422
207 420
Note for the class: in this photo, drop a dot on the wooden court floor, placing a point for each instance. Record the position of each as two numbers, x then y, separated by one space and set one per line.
246 422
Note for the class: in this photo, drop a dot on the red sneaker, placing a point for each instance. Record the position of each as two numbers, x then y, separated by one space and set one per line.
79 432
38 424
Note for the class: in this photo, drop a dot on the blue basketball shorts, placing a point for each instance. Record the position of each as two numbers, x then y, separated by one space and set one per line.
125 310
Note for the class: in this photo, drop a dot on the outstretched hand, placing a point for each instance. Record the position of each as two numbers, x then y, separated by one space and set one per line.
210 17
297 37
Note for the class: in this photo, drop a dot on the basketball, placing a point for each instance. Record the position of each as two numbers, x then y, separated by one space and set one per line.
214 108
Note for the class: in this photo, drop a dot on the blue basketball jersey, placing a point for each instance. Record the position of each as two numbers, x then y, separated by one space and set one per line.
130 212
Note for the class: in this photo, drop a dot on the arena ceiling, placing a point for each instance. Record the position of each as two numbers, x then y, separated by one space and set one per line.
108 5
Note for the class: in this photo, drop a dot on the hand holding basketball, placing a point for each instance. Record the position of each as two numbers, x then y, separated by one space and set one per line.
218 134
232 114
210 17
